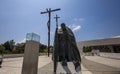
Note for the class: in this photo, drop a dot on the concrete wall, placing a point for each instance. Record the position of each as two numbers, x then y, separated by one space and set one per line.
98 42
110 55
12 55
20 55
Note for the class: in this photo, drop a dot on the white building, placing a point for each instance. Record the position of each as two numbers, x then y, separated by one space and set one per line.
106 45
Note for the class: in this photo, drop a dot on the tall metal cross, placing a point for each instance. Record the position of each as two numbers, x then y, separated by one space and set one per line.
56 21
48 24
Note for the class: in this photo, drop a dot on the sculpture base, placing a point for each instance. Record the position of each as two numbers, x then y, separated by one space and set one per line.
30 61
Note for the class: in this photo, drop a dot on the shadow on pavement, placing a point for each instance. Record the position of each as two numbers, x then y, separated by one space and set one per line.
47 69
98 68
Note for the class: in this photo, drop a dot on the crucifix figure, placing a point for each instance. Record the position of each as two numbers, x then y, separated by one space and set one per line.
48 24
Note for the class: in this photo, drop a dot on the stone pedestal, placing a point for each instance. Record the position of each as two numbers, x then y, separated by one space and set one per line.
30 61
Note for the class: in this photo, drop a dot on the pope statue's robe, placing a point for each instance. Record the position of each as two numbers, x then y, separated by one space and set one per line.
65 47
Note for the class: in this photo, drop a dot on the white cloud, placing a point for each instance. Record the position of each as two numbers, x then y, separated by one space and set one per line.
116 36
22 41
74 27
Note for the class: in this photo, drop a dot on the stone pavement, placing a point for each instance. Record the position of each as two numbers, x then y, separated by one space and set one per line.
90 65
14 65
48 69
101 65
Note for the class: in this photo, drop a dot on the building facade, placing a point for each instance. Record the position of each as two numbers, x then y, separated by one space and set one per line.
109 45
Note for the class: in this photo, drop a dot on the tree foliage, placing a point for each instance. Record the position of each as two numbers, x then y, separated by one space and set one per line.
87 49
2 49
42 48
19 48
9 45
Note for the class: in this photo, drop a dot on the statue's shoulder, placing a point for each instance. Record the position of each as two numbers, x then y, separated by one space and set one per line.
60 31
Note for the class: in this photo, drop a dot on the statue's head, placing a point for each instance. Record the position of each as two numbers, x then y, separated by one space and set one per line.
63 26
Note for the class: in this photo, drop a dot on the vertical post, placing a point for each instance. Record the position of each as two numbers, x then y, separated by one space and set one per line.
49 14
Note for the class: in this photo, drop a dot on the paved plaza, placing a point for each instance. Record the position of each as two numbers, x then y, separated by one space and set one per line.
14 65
90 65
101 65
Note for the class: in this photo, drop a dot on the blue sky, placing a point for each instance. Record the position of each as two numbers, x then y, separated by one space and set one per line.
89 19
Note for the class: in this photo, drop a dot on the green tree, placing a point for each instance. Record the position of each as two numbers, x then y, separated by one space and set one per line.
2 49
19 48
42 48
51 49
6 45
9 45
12 44
87 49
45 50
